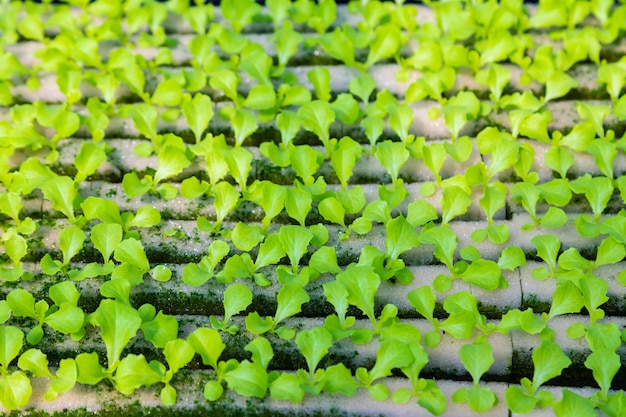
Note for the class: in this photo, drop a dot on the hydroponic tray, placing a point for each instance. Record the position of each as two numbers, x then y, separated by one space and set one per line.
309 209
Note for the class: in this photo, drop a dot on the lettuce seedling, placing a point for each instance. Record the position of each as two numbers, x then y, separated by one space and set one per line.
317 116
198 112
319 77
549 361
118 323
11 205
237 298
290 299
251 379
255 62
387 42
338 45
15 387
71 241
344 156
157 328
313 345
239 13
15 247
528 195
287 41
64 316
597 191
88 160
208 344
126 67
547 249
269 196
197 274
477 359
431 85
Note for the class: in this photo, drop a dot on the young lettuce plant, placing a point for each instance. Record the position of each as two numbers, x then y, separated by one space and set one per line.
429 395
237 298
477 359
290 299
15 386
64 316
108 212
480 272
549 361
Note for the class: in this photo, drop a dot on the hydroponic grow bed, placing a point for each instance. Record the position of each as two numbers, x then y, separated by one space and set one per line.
311 209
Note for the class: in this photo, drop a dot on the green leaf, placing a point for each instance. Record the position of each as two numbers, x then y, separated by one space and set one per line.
133 186
605 364
295 241
454 203
549 361
287 388
574 404
36 362
401 237
362 283
248 379
270 196
207 343
392 156
320 78
15 390
339 379
146 216
226 198
386 43
317 116
134 372
262 352
106 237
145 118
245 237
172 161
65 380
89 370
118 324
61 192
22 303
68 319
314 345
566 299
71 242
237 297
104 210
178 353
168 93
298 204
270 252
198 112
160 330
331 209
390 355
290 299
445 242
477 359
261 97
362 86
483 273
131 251
88 160
519 401
512 257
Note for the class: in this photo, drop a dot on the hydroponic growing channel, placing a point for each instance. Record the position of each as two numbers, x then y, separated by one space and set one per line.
309 209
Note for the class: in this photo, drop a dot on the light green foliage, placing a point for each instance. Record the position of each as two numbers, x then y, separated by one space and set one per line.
413 202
